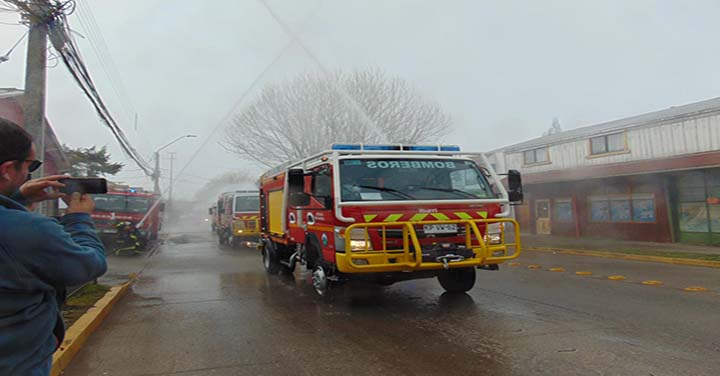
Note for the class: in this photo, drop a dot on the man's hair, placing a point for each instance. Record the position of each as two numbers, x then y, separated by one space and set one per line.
15 142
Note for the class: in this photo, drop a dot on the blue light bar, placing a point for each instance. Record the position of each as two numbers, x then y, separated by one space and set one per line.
421 148
381 147
346 147
449 148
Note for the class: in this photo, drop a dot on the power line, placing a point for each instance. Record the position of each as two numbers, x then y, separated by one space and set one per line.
54 16
6 57
107 63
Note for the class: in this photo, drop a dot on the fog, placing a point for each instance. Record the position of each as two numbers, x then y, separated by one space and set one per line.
502 70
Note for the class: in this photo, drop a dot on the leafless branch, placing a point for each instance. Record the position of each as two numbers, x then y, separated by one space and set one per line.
298 117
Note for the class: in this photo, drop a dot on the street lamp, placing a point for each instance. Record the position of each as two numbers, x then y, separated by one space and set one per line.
156 173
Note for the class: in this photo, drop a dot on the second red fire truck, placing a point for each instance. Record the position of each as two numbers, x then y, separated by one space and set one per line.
388 213
127 205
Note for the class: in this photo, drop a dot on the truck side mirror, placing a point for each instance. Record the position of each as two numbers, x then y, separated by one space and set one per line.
161 206
515 191
298 199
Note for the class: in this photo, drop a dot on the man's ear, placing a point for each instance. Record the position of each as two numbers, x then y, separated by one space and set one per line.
5 168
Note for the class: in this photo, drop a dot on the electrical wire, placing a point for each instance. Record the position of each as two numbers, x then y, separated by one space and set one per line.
54 15
6 57
107 63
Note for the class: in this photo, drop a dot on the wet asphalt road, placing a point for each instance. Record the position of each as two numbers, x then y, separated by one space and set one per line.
202 310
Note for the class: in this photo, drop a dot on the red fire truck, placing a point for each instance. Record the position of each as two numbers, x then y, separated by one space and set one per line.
388 213
236 215
128 205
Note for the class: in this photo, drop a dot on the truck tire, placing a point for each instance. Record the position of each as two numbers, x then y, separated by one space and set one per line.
270 260
457 280
320 281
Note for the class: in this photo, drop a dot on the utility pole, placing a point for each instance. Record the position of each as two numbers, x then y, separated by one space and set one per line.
170 189
35 87
156 173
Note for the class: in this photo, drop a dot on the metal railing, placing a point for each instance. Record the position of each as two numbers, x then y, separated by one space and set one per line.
376 256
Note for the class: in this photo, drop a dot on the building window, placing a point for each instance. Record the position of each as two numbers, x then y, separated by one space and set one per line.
536 156
563 210
611 143
623 208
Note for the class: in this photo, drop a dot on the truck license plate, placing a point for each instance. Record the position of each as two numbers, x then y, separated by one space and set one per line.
440 229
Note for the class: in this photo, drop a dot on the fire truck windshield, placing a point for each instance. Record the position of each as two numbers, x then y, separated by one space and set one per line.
121 204
412 179
247 204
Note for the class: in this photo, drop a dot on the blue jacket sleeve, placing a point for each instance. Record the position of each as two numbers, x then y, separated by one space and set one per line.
68 253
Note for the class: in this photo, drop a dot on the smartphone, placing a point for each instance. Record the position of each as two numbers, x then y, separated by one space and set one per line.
84 185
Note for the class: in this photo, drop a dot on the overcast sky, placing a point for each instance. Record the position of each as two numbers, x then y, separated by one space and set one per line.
502 69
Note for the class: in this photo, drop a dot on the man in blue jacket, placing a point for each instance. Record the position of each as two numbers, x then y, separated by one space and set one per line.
39 255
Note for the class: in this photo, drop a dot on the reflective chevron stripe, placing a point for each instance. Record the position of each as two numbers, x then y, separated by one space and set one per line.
417 217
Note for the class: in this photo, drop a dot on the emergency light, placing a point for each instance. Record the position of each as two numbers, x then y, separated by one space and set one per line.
346 147
396 147
381 147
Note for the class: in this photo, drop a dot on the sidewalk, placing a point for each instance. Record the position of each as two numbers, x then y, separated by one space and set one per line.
674 250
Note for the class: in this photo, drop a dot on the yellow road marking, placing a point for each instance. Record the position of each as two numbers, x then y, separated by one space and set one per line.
534 266
616 277
369 217
514 264
558 269
695 289
652 283
418 217
583 273
392 218
462 215
440 216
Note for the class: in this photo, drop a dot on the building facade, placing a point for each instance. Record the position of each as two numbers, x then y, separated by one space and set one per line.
652 177
11 108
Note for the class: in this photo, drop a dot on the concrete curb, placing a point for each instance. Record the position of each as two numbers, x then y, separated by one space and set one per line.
80 331
627 256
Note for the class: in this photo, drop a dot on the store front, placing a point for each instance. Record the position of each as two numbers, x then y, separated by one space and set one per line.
698 206
627 208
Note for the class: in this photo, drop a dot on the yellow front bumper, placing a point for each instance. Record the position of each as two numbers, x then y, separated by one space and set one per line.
409 257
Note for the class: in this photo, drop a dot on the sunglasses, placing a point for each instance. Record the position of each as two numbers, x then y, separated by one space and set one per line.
34 163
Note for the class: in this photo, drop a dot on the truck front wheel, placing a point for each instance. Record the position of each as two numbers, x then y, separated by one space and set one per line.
457 280
320 280
269 260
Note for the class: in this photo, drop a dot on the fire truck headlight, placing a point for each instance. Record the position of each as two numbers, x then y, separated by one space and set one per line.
238 231
492 239
493 234
360 245
360 240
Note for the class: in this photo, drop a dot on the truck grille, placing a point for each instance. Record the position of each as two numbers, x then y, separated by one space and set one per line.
396 233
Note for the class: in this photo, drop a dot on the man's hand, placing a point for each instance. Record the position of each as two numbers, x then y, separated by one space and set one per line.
36 190
80 203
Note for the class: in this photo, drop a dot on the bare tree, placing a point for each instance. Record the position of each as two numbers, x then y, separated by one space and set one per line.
296 118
